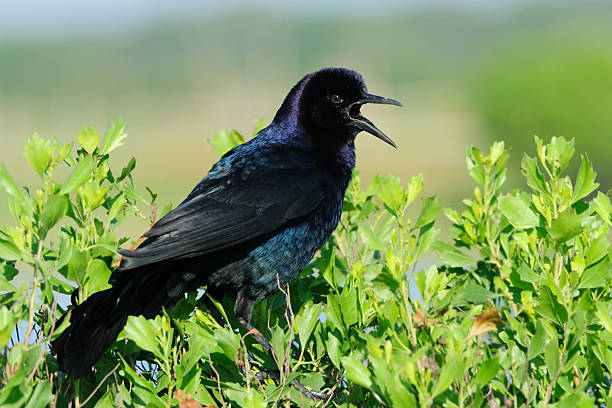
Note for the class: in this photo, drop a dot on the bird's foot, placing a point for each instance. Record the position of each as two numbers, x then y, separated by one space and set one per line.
275 375
313 395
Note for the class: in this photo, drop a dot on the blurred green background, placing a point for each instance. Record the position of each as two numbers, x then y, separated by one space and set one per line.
468 72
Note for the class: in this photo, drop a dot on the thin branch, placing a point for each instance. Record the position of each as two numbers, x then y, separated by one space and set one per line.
98 386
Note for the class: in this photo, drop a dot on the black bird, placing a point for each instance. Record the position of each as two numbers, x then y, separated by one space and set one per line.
252 223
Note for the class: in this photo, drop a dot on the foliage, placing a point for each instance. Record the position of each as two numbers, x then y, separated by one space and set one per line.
515 313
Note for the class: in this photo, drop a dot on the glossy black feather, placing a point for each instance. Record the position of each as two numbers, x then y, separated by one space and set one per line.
244 200
252 223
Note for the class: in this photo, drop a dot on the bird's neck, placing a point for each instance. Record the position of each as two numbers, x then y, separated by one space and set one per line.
340 162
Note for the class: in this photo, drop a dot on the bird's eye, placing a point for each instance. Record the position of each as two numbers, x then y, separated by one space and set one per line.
335 98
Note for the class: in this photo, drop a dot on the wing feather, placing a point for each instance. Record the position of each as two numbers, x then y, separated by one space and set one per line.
246 202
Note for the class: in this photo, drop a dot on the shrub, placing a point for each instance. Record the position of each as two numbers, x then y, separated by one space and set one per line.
516 312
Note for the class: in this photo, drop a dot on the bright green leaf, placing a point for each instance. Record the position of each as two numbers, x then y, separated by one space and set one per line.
356 371
518 212
428 214
448 373
89 139
487 371
585 181
81 173
597 275
306 321
143 331
567 225
7 325
39 153
451 256
53 211
114 137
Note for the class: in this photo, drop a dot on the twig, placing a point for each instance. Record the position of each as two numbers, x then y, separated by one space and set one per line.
218 379
98 386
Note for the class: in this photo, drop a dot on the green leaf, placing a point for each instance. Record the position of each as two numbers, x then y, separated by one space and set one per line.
39 153
97 276
254 400
550 308
527 274
538 342
603 207
585 181
392 192
532 173
92 194
143 332
560 152
487 371
597 275
477 294
518 212
369 237
551 357
597 250
356 371
306 321
333 313
118 205
127 170
81 173
451 256
77 266
9 251
224 141
567 225
349 305
333 348
42 395
114 137
55 208
427 236
414 187
448 373
278 343
428 214
474 163
7 325
605 315
89 139
11 188
8 271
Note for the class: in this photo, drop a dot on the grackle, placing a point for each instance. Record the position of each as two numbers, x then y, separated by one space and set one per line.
252 224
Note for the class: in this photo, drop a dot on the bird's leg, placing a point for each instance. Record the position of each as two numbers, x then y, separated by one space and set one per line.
243 310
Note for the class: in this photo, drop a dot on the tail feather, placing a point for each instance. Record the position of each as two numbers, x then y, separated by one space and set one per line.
96 323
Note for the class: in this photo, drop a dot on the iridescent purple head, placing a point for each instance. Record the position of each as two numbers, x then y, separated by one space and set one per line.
327 104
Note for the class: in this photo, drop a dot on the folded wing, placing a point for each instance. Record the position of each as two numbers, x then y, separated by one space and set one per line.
243 203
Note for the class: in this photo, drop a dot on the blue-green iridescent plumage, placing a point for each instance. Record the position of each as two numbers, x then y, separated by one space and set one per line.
254 221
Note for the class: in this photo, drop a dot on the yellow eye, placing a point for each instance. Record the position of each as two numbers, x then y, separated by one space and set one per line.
335 98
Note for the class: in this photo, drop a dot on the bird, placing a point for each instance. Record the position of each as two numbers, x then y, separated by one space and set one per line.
248 227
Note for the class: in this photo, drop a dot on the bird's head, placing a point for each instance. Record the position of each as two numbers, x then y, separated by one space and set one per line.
328 104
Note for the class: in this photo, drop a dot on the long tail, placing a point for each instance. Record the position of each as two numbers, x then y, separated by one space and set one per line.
95 323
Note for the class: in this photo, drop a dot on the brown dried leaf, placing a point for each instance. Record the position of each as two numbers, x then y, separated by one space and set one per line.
420 319
190 403
186 400
429 363
486 321
576 377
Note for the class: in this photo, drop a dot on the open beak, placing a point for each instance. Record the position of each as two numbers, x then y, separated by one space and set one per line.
363 123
